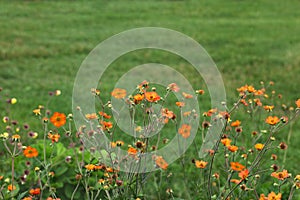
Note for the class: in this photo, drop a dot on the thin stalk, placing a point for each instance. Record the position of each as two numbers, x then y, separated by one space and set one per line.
75 190
212 161
13 165
288 142
291 193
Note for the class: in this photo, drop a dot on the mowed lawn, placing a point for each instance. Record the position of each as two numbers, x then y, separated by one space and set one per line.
43 43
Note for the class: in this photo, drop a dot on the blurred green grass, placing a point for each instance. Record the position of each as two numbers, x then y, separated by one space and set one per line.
42 44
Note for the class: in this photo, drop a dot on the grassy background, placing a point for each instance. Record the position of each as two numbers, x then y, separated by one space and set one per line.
42 44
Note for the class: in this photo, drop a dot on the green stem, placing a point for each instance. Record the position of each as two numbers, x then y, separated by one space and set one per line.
288 142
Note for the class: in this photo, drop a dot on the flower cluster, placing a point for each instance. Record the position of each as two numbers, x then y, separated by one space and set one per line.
247 160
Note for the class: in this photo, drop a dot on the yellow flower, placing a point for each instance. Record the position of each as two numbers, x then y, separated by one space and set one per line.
16 137
119 143
91 116
37 111
226 141
4 135
268 108
57 92
273 196
90 167
259 146
5 119
13 101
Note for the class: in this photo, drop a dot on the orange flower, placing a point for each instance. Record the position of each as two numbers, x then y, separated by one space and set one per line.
185 130
257 102
244 155
138 98
160 162
244 174
236 123
91 116
50 198
90 167
187 113
186 95
259 92
281 175
268 108
236 166
118 93
236 181
27 198
58 119
113 144
232 148
30 152
95 91
259 146
246 88
54 137
35 191
243 101
152 96
297 185
167 114
242 89
105 115
274 196
180 104
11 187
200 92
263 197
210 112
106 125
108 169
200 164
298 103
132 151
272 120
143 85
173 87
226 141
251 89
283 146
225 115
